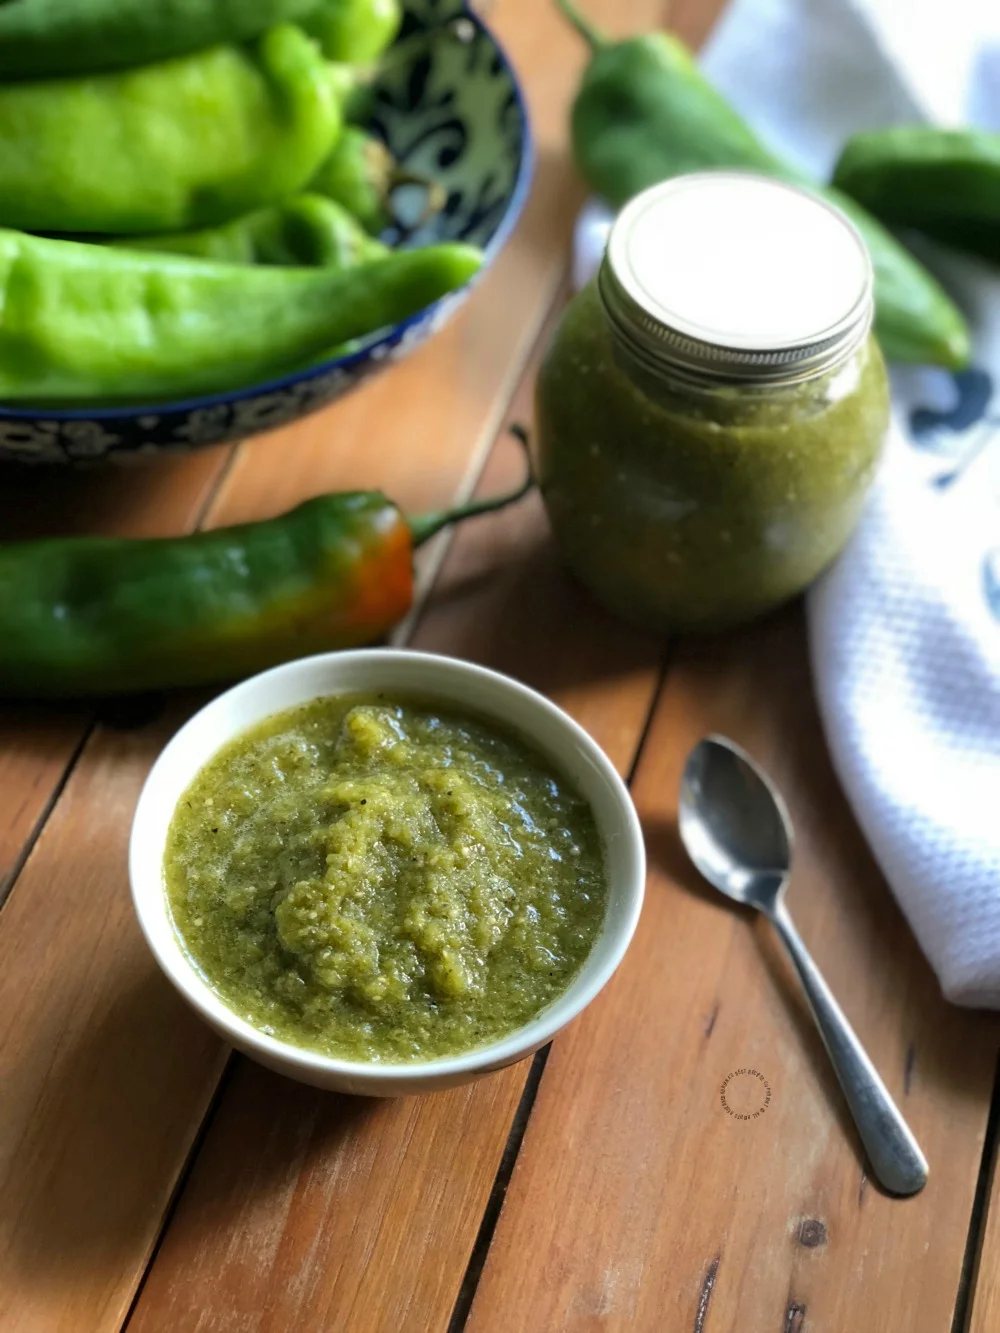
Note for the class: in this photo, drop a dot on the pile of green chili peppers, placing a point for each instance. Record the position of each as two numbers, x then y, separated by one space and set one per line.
183 207
644 112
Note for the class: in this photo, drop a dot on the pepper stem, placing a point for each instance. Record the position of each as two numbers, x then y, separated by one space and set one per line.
435 195
594 39
429 525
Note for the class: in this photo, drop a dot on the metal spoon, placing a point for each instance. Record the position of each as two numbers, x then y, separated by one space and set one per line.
737 832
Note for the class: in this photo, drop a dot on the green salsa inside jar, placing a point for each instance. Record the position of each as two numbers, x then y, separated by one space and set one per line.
694 477
383 880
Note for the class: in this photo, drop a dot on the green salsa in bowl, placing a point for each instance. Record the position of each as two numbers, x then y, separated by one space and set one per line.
385 872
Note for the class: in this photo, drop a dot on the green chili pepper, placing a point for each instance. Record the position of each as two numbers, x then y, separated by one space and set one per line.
362 175
305 230
945 183
82 321
355 31
644 112
186 143
42 38
89 615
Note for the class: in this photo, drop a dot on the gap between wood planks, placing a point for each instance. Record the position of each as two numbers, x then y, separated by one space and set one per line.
491 438
180 1184
256 487
428 563
430 560
494 1206
968 1280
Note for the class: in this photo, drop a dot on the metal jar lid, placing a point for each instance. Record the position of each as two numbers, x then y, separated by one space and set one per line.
735 277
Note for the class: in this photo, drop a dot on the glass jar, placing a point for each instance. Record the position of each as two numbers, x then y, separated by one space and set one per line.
712 408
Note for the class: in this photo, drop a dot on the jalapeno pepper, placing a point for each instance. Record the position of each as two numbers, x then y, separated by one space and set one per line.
94 615
305 230
944 183
185 143
644 112
88 322
42 38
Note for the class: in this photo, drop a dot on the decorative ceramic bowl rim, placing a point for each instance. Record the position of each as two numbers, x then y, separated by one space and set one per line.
502 697
392 334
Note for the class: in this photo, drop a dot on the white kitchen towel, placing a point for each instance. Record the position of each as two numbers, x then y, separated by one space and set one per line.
905 629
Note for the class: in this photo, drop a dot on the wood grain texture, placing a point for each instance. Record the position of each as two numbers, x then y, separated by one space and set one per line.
637 1202
984 1276
397 1194
94 1216
417 431
93 1048
310 1211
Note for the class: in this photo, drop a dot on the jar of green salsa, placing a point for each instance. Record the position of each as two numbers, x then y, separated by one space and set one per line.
712 407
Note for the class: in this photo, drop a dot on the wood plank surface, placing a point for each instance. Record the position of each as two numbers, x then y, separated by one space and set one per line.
93 1047
984 1277
403 1227
70 907
68 918
637 1201
417 431
391 1195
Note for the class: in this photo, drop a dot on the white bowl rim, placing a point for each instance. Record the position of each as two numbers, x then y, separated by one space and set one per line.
181 971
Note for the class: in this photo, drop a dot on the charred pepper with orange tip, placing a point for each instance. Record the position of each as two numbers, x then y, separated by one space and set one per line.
97 615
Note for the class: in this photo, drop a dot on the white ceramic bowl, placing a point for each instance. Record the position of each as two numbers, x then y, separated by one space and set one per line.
467 687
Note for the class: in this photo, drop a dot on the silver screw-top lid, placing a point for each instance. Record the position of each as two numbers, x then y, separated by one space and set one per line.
731 276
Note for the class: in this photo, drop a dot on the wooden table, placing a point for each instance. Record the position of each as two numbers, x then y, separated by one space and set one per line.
151 1179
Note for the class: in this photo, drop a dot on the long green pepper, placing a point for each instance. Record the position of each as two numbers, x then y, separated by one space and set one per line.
944 183
43 38
86 322
306 230
186 143
98 615
645 113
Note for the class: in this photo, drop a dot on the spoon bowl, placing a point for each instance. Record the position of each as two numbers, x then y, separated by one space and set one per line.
734 824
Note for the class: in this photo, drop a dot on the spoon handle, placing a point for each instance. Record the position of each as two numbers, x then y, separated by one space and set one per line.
894 1153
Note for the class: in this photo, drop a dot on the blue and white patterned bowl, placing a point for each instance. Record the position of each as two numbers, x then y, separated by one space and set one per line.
454 113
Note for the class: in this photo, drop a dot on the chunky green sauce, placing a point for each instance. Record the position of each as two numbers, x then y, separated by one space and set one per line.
383 880
691 508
